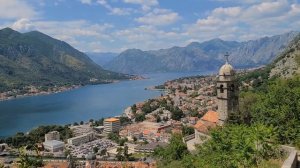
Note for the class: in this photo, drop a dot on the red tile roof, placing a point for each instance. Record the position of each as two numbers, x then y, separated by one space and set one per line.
208 121
211 116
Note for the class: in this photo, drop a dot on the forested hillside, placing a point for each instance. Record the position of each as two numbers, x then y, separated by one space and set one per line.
36 59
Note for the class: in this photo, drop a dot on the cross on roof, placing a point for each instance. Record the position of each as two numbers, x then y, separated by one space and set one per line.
226 57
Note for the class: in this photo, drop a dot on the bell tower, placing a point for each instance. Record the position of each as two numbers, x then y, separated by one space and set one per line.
227 91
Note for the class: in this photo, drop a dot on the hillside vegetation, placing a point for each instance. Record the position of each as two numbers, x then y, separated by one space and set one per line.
34 58
268 116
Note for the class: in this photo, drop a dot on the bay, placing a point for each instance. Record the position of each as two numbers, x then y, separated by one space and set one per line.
89 102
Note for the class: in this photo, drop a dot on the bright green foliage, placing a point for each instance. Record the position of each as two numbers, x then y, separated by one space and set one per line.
280 107
176 150
231 146
238 146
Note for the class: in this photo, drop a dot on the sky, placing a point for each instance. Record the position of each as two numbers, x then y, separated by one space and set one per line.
117 25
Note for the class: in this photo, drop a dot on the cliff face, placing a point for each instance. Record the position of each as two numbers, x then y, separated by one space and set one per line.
288 63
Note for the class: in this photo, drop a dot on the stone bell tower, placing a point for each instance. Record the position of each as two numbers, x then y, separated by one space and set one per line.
227 92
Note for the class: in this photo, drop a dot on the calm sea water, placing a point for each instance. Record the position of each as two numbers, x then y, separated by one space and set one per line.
90 102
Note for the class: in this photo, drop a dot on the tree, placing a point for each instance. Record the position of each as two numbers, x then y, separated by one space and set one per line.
177 114
119 155
125 153
25 161
95 149
140 117
133 108
122 141
134 139
176 150
186 130
113 136
103 152
158 119
278 105
238 146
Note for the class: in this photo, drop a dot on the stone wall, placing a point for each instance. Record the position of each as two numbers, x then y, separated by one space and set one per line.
292 159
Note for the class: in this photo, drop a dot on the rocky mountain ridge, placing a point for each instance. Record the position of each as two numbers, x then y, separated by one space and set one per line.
205 56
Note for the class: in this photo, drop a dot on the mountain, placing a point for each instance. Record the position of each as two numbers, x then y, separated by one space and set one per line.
288 63
102 58
34 58
203 56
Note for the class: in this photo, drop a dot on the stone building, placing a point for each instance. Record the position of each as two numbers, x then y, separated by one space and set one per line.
54 135
227 92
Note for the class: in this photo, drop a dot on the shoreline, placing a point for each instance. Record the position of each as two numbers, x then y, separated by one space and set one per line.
4 97
20 96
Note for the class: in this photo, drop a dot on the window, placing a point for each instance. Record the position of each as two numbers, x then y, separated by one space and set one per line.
221 89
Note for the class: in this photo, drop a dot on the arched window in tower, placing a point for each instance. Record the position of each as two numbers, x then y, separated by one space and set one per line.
221 89
232 87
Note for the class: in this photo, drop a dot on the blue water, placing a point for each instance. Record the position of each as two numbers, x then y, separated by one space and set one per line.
89 102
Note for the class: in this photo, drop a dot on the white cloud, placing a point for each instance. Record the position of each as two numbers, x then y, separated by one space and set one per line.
146 4
143 2
15 9
159 17
147 37
247 22
86 1
23 25
79 33
113 10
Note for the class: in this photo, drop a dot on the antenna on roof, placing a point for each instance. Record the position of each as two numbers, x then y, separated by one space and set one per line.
226 57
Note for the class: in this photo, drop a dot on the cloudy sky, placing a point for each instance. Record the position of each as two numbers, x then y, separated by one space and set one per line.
116 25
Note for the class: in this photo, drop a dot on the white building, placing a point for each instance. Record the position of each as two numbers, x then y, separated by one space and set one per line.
54 135
54 145
81 139
111 125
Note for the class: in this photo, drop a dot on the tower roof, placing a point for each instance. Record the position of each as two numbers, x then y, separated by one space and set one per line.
226 69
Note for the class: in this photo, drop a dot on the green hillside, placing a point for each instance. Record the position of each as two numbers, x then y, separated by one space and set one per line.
36 59
268 116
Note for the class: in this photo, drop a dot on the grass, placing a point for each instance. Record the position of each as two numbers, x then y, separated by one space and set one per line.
274 163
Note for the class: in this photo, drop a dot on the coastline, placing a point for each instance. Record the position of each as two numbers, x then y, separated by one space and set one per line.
12 95
19 96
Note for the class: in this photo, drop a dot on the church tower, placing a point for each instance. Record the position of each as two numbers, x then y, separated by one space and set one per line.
227 92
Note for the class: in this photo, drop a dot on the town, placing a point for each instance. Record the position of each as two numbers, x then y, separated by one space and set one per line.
189 107
135 134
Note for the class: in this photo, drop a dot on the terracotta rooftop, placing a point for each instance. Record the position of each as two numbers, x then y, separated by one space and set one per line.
208 121
111 120
211 116
204 126
58 165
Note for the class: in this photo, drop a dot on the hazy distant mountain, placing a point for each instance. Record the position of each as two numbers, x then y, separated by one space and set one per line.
102 58
37 59
201 56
